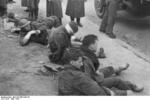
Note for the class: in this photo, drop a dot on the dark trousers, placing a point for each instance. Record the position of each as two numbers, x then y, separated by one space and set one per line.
77 19
33 14
117 83
3 11
108 20
107 71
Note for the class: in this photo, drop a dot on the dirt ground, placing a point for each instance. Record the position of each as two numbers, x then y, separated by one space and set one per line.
20 65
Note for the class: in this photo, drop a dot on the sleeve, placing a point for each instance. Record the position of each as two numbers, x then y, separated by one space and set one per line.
87 86
60 45
89 70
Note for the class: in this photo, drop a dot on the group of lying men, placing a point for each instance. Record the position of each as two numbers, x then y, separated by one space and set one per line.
81 74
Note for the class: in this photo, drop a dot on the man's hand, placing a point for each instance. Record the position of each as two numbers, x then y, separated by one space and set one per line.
112 93
37 32
101 53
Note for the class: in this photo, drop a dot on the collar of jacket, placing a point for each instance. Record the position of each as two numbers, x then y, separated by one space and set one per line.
71 67
86 49
91 55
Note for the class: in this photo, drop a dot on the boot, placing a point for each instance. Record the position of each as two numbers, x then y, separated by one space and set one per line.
78 22
111 35
118 71
72 18
136 88
101 53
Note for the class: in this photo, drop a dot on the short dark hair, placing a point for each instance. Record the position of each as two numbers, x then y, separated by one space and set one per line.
89 39
71 54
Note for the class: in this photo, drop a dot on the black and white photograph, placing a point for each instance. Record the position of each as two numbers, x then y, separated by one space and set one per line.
74 48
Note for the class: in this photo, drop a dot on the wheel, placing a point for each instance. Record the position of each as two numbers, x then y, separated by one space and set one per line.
99 8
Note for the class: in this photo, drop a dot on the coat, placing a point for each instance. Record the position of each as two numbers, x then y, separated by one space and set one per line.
3 3
75 8
72 81
24 3
33 4
90 54
59 40
54 8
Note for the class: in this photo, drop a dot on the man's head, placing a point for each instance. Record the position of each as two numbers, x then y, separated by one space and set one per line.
53 20
24 24
11 15
91 41
72 28
74 57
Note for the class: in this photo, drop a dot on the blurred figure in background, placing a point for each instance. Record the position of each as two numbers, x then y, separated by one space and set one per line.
54 8
33 9
24 3
76 9
3 7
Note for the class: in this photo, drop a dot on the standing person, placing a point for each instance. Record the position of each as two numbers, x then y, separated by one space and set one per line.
33 9
3 7
108 20
54 8
24 3
76 9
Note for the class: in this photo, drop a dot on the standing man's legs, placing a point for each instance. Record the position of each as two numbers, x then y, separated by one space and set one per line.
72 18
104 21
112 12
108 20
36 13
78 22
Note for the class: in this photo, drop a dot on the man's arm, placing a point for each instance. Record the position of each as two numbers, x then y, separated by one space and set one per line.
75 41
26 38
88 86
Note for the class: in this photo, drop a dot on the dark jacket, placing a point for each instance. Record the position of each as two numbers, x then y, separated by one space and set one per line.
54 8
3 3
89 69
41 25
75 8
59 40
24 3
33 4
90 54
72 81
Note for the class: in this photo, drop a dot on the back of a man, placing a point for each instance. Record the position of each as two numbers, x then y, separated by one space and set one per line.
60 39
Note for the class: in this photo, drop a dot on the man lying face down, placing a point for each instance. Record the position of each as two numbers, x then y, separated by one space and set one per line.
34 31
